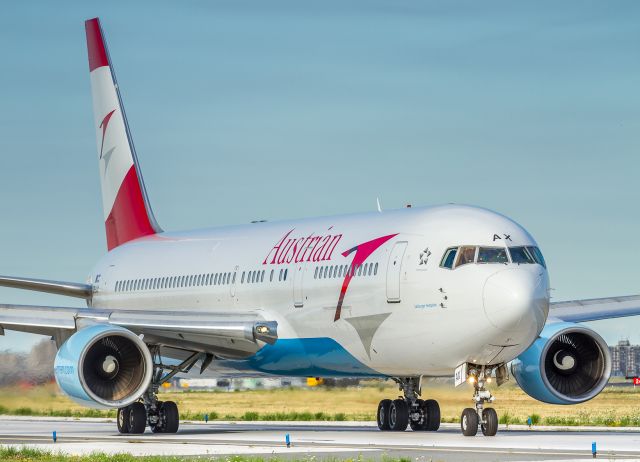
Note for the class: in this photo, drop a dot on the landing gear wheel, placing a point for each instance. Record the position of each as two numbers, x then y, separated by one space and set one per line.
137 418
490 425
398 415
123 419
418 425
171 417
432 415
158 426
469 422
383 414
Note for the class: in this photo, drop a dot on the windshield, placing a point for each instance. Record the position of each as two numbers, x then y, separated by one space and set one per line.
492 255
466 255
521 255
454 257
527 255
449 257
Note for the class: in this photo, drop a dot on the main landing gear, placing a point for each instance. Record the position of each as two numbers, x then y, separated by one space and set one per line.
410 410
485 418
161 416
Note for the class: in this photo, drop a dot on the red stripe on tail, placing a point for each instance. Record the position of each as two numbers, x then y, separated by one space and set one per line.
128 218
95 44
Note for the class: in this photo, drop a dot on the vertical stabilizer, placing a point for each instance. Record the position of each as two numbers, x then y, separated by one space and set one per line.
127 212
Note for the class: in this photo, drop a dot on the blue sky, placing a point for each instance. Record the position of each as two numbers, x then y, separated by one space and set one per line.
245 110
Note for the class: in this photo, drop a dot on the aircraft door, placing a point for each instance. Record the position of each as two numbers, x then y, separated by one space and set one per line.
298 284
232 282
394 268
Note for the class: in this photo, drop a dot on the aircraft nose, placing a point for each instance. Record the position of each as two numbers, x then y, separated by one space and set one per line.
517 299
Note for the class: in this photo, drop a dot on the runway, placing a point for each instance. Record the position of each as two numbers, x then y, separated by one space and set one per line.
321 439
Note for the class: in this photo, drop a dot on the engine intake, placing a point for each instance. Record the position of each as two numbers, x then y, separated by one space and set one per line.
104 366
567 364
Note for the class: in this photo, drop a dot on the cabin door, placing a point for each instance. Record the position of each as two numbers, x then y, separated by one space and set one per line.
394 268
299 270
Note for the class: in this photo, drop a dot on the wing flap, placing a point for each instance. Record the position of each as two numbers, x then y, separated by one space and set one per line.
595 309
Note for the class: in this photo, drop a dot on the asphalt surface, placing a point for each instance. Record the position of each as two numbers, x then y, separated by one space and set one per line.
322 440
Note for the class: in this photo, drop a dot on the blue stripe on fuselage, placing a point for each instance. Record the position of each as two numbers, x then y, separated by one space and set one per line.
305 357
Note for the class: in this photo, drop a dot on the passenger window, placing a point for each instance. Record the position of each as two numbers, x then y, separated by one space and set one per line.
280 276
520 255
492 255
315 273
285 273
375 269
359 270
365 269
370 269
262 276
466 255
448 258
271 275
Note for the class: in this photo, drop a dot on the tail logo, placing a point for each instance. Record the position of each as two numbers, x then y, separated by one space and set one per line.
107 155
362 252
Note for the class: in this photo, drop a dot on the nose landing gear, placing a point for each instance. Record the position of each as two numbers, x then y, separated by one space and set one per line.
486 418
410 410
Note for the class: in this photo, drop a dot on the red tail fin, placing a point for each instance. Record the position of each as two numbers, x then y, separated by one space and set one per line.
127 212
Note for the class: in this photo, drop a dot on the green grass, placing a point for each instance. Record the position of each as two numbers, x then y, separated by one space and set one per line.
614 407
37 455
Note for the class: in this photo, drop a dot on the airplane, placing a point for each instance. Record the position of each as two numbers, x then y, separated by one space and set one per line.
444 291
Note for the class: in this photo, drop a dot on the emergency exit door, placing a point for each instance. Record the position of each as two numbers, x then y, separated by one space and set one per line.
298 284
394 269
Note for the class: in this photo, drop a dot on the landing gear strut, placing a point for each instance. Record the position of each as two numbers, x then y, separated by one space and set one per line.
486 418
410 410
161 416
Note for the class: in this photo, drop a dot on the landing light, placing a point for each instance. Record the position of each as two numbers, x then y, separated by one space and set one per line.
471 379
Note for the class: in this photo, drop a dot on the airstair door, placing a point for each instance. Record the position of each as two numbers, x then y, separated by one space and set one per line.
394 268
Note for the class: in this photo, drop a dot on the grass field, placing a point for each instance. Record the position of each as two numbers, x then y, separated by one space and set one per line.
613 407
36 455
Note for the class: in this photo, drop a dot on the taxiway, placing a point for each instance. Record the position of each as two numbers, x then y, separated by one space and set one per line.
330 439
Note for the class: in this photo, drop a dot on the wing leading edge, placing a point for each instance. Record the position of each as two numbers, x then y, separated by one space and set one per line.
595 309
69 289
225 335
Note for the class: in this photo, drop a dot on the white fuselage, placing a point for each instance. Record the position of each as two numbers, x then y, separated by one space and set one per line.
408 316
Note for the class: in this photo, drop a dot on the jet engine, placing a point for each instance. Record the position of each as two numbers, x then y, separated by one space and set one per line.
567 364
104 366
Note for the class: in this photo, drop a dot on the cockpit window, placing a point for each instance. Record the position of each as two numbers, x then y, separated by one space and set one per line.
466 255
449 257
492 255
537 255
521 255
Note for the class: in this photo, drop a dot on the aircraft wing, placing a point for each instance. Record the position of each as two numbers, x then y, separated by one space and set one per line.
224 335
595 309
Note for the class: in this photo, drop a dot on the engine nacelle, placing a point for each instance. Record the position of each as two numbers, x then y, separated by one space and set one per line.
104 366
567 364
